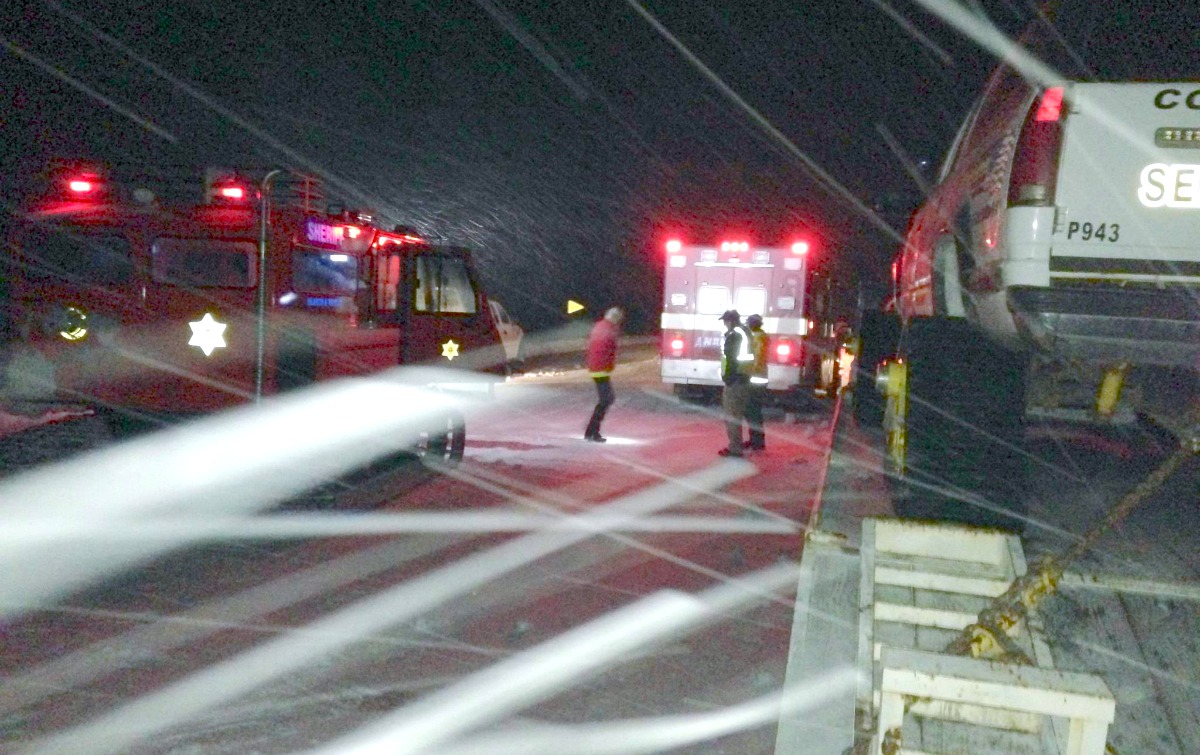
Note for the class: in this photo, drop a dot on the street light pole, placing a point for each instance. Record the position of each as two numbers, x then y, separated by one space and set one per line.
264 212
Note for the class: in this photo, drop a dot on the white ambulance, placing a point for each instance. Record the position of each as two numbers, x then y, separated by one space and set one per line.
779 283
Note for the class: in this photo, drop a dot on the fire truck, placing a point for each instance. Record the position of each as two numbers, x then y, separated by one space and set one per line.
153 310
781 284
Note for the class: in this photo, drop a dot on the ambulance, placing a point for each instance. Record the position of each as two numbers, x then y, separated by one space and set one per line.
781 284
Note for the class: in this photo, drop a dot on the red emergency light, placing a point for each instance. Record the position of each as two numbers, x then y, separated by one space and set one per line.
1050 107
735 246
229 191
674 245
407 238
83 187
800 247
783 350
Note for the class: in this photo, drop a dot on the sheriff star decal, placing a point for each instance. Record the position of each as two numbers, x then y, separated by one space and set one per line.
450 349
208 334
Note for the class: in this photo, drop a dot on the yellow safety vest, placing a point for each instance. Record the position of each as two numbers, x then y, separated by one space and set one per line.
758 373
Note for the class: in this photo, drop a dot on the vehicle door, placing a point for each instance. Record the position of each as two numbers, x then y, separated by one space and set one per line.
441 313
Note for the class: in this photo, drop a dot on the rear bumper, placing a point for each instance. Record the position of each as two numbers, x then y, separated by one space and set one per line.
708 372
1142 326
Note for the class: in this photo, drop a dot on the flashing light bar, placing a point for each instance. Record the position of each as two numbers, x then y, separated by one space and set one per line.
735 246
232 192
386 238
81 186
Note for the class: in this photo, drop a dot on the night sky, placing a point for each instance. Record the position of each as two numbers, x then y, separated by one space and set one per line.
562 141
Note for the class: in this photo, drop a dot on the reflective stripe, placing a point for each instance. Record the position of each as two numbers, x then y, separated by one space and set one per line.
745 353
758 380
796 326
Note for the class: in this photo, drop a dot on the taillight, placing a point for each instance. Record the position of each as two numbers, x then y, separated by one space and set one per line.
1035 160
673 345
784 351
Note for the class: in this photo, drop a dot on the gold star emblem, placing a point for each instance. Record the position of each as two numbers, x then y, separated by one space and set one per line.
208 334
450 349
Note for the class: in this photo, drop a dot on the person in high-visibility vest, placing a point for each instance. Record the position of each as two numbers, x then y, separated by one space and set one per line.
758 384
600 360
736 362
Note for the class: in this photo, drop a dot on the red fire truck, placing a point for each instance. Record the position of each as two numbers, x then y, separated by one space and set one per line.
779 283
150 309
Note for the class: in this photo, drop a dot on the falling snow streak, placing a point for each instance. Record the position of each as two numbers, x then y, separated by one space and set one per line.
89 91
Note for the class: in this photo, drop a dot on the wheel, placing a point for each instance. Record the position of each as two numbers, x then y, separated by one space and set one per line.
877 337
444 445
964 460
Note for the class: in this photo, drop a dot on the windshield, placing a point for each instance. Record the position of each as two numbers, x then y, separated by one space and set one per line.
324 272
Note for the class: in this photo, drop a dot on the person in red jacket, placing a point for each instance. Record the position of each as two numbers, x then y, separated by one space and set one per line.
600 360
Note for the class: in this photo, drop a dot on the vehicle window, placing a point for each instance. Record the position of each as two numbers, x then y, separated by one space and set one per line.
956 145
1007 94
712 300
444 286
204 263
387 282
56 255
750 301
324 272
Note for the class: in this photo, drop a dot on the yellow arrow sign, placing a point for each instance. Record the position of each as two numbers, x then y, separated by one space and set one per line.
573 306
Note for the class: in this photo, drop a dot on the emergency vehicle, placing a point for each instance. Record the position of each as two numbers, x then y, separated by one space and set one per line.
148 308
1052 273
779 283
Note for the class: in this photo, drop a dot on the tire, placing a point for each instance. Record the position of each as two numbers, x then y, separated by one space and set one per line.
878 335
445 444
965 461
